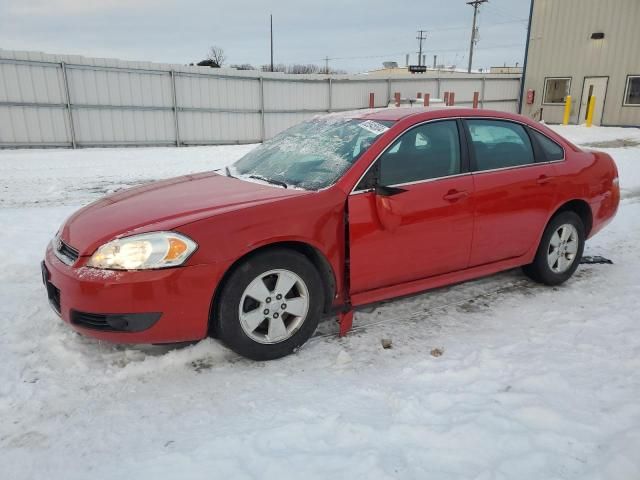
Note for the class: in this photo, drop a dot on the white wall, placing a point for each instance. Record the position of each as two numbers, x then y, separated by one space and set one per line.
61 100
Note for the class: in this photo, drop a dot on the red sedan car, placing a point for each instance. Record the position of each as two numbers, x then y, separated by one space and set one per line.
332 214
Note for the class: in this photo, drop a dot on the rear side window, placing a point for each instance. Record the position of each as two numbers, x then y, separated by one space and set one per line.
552 151
499 144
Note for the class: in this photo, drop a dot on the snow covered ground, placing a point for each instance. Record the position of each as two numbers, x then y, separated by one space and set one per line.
533 382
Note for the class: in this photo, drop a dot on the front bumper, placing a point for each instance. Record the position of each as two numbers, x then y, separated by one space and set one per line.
147 306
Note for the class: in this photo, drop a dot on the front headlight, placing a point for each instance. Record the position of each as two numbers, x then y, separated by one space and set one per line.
145 251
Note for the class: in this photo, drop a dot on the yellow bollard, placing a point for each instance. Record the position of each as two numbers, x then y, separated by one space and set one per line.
567 111
590 108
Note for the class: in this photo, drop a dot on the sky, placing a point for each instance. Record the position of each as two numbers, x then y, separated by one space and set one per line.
356 35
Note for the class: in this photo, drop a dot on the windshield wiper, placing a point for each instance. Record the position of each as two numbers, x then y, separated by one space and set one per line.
269 180
228 172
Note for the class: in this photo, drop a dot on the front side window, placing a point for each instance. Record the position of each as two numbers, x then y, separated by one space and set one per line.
556 90
499 144
632 91
311 155
425 152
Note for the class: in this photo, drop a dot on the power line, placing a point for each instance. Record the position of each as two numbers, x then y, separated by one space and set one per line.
434 50
430 30
461 27
474 30
503 13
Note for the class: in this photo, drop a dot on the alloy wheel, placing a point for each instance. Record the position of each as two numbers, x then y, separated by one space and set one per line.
563 248
274 306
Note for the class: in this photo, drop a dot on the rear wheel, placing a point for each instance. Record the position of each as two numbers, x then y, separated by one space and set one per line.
270 305
560 250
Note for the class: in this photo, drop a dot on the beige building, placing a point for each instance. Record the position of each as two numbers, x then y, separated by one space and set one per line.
584 48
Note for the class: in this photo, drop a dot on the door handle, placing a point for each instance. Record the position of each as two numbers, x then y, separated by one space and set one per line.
543 179
455 195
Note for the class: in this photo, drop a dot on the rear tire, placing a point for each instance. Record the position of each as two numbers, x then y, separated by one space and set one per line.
560 250
270 305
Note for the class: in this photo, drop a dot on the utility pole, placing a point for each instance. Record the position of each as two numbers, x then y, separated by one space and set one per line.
326 65
422 35
271 28
474 31
435 58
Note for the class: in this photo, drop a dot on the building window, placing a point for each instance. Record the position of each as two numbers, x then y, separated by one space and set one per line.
632 92
556 90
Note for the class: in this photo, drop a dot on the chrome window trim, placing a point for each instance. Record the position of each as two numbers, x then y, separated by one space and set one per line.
416 182
471 172
513 167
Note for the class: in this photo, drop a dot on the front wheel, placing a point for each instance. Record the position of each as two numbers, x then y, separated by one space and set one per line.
560 250
270 305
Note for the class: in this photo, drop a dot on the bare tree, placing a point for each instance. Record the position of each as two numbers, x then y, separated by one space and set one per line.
279 67
216 56
297 68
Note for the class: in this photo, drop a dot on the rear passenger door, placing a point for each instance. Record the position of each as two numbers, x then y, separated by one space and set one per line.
514 189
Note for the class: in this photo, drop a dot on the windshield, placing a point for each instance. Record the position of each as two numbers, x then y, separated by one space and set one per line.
311 155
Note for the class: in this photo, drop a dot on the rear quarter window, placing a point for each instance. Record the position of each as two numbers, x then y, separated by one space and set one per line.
552 151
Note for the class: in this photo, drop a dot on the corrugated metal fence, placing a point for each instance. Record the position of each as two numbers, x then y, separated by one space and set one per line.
71 101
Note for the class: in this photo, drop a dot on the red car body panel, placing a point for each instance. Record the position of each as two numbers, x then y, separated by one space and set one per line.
388 240
436 233
163 205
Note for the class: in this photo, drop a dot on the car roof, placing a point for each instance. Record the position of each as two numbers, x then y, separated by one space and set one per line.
400 113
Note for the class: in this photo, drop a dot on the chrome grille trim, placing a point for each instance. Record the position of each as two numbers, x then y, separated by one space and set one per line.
65 253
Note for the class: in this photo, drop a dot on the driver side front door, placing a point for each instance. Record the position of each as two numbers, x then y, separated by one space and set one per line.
418 222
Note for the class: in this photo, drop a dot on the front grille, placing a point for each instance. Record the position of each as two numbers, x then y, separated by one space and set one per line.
65 253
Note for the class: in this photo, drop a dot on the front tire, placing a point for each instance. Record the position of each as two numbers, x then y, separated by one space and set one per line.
270 305
560 250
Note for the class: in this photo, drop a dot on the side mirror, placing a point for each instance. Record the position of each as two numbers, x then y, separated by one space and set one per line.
384 191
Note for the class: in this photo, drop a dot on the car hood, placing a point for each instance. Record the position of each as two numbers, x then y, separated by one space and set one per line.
164 205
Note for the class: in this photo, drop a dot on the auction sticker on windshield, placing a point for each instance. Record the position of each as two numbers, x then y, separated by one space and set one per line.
374 127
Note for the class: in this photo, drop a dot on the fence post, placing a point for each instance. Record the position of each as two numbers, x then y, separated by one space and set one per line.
262 126
72 130
397 98
476 96
175 106
330 95
372 101
426 99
